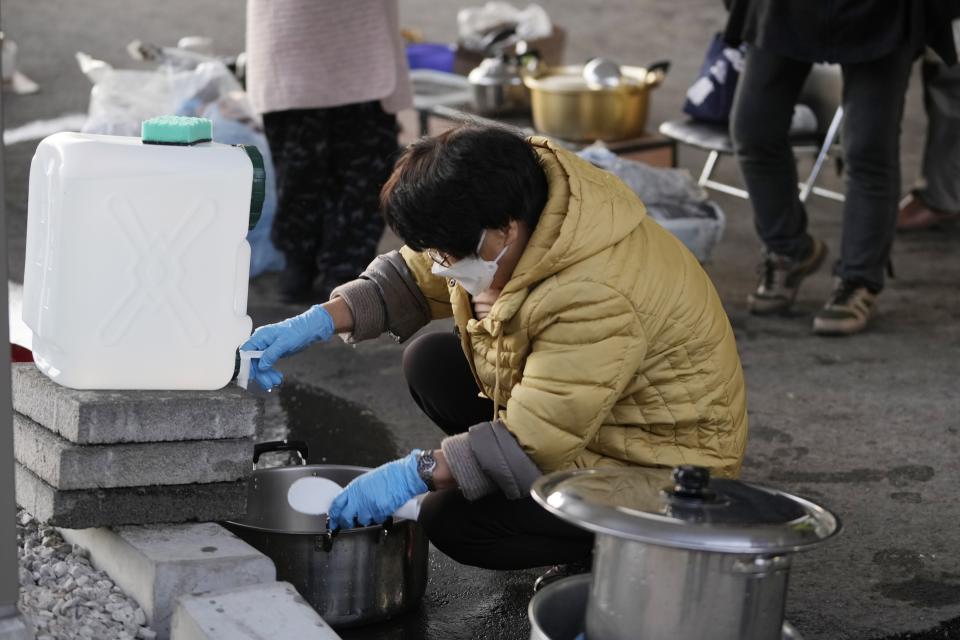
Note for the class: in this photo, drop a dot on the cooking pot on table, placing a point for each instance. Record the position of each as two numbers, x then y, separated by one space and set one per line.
566 105
497 81
498 87
351 577
698 558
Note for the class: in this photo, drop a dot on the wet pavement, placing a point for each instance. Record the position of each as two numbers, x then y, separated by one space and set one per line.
336 431
465 602
460 601
869 426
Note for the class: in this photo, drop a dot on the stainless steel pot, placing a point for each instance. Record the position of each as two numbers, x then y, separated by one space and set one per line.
558 612
498 87
351 577
698 559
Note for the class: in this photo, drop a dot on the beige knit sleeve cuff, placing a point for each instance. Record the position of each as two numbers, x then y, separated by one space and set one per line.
366 306
465 467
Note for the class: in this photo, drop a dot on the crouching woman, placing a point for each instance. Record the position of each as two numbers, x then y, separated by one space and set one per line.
585 336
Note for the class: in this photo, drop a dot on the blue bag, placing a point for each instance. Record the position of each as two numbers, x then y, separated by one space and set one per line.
710 98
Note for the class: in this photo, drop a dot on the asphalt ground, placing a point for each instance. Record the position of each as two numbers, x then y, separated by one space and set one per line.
868 426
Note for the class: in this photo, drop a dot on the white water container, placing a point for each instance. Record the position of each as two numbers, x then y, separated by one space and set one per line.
137 264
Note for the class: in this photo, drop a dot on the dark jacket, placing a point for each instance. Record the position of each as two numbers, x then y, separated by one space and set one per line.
843 31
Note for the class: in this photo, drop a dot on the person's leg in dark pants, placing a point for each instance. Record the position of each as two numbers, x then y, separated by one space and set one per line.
364 148
936 198
497 533
442 384
299 144
766 94
492 532
760 124
873 97
941 156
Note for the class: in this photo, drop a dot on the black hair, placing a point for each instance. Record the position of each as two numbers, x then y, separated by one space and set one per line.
445 190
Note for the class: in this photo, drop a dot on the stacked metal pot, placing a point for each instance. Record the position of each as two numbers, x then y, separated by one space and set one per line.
351 577
690 559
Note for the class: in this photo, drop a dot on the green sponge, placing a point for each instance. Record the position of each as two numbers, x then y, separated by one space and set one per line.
177 130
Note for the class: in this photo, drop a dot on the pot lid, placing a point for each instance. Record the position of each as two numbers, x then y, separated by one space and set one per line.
602 72
495 71
689 511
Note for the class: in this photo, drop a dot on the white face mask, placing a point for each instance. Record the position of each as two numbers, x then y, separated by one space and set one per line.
473 273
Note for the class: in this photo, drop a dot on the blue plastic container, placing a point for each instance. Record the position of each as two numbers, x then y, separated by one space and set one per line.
431 55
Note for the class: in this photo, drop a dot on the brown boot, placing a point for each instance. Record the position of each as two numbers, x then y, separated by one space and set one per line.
914 215
780 279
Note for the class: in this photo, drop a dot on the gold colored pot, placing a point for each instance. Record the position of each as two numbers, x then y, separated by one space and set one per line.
565 106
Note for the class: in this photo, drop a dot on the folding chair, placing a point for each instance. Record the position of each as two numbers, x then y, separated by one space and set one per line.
822 93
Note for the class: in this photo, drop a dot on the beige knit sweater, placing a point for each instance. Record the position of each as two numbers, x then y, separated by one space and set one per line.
305 54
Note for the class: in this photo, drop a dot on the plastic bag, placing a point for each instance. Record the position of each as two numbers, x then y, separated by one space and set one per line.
671 197
229 129
710 98
122 98
473 23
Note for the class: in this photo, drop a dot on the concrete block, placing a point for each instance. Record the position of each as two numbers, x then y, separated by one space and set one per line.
14 628
155 565
65 465
106 417
83 508
265 612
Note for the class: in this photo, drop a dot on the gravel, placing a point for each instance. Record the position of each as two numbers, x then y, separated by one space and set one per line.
65 597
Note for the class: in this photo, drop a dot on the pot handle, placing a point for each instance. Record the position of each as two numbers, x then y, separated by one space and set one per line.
324 541
298 446
496 39
656 72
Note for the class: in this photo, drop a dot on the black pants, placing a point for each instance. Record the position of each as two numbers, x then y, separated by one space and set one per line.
331 164
873 96
492 532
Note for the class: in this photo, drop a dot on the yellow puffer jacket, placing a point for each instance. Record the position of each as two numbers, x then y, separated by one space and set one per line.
609 345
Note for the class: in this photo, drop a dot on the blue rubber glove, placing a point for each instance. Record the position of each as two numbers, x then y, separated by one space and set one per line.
284 339
374 496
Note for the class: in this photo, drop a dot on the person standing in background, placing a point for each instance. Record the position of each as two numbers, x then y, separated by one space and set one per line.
875 42
936 199
328 78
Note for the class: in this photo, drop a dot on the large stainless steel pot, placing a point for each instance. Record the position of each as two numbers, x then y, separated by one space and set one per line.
698 559
566 106
352 577
558 612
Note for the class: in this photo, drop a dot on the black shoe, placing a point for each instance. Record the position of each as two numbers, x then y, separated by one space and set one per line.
296 281
559 572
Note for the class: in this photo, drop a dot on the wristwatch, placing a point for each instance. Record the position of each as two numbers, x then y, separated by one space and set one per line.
426 465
